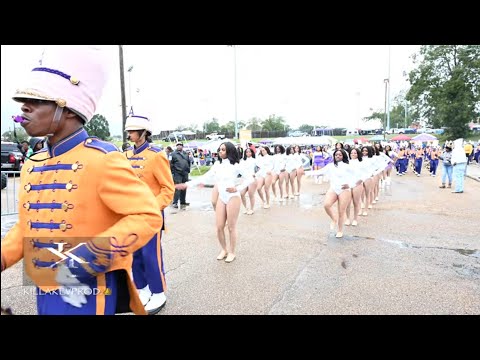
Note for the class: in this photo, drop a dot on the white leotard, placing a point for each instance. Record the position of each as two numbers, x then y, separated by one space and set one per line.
225 175
265 165
339 175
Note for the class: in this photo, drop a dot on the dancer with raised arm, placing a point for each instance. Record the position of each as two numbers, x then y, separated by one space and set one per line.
225 173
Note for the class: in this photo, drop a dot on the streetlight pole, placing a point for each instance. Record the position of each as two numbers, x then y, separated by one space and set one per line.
122 91
235 71
235 86
388 110
385 115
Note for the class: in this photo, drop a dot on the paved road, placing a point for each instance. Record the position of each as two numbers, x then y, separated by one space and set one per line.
418 252
473 171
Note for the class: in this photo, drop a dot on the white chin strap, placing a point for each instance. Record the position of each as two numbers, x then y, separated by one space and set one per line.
56 120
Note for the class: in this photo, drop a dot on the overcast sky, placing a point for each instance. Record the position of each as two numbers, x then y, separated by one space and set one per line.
183 85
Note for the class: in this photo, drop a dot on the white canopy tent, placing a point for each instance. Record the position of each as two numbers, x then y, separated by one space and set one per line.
188 133
305 140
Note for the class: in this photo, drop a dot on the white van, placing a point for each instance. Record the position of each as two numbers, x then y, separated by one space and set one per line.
351 132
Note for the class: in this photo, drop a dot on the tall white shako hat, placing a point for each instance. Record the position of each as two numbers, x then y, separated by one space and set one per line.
137 122
72 76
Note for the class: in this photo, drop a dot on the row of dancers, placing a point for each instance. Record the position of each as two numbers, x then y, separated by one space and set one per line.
353 176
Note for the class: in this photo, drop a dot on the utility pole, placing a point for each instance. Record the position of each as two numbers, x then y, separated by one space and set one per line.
385 115
235 86
122 90
388 110
235 74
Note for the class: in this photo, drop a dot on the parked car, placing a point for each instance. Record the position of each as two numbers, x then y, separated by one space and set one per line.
352 132
175 136
297 133
4 180
392 131
407 131
215 136
12 157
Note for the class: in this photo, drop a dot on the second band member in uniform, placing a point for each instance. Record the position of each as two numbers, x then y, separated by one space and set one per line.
152 167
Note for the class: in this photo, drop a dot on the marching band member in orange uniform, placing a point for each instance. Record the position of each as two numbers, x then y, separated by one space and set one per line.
152 167
82 209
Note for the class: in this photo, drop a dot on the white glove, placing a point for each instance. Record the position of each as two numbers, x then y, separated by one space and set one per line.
71 290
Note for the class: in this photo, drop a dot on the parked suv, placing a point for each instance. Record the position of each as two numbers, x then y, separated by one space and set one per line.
12 158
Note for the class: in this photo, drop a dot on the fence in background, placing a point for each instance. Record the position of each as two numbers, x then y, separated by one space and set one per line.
10 188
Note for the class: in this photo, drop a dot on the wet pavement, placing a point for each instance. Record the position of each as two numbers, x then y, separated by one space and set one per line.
417 252
473 171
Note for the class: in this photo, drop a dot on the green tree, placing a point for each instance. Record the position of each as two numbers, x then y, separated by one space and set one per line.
273 123
229 127
254 124
445 86
397 117
211 126
19 132
401 106
241 125
376 115
306 128
397 113
98 127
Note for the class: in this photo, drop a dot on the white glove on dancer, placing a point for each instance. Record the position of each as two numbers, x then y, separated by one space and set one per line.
71 290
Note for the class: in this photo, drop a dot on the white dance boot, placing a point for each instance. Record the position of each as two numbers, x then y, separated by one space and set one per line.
156 303
144 295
